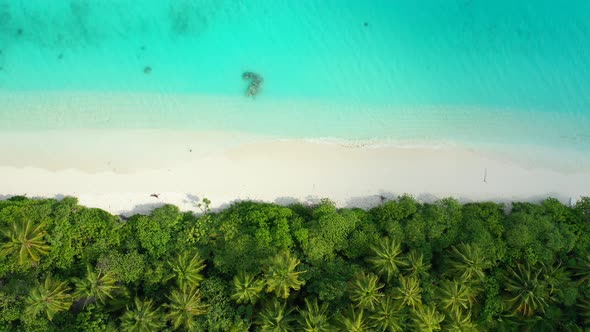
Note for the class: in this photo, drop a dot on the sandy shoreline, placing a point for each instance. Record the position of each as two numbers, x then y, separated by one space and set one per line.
119 170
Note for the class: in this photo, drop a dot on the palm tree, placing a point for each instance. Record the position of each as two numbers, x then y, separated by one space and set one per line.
184 305
414 264
582 269
460 322
456 296
144 318
354 321
387 316
556 276
386 260
50 298
187 269
468 262
408 291
583 310
314 318
510 322
95 286
275 318
281 276
365 290
240 326
528 293
247 288
25 240
427 319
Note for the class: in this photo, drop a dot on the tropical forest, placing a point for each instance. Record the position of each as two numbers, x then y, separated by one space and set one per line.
404 265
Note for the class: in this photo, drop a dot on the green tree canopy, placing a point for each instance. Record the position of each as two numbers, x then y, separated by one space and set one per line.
401 266
328 231
25 241
528 292
275 317
95 286
247 288
143 317
365 290
281 275
49 298
315 317
186 269
185 304
386 259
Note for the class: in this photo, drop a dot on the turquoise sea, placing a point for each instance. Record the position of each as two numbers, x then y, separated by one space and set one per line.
471 71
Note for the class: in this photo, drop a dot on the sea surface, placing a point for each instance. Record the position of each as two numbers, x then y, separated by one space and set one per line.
499 72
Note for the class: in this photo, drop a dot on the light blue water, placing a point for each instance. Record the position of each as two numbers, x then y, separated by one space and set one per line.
500 71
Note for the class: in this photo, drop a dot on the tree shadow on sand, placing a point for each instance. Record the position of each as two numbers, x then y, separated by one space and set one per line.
364 202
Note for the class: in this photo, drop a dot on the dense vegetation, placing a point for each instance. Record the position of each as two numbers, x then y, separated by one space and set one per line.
403 265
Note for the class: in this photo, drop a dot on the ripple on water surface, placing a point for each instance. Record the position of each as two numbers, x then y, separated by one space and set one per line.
381 66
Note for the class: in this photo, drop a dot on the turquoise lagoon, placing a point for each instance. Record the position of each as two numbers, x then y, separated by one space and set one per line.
476 72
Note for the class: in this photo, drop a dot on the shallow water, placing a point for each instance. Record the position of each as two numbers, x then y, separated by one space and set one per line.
489 72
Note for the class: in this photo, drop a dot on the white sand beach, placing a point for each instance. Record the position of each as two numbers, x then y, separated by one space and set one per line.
118 170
